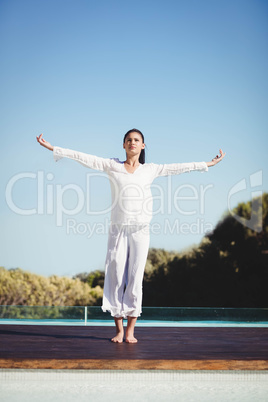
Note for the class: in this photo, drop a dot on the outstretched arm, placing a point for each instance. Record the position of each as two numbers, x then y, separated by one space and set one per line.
90 161
44 143
217 159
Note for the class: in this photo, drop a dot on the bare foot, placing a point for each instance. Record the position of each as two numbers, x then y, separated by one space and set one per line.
131 321
131 339
118 338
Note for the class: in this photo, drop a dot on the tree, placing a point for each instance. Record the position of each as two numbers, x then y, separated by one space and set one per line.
228 269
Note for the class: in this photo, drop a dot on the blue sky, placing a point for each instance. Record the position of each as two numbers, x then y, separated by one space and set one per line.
191 75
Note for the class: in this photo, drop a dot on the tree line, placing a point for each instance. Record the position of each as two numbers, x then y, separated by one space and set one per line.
229 268
18 287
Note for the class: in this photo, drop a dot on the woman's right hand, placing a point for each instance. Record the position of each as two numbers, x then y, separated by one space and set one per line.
44 143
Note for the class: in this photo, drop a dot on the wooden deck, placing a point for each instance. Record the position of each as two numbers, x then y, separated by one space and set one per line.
72 347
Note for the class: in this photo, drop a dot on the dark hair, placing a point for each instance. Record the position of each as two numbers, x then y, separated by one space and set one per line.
142 154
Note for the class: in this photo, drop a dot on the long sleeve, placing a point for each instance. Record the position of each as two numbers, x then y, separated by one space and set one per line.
178 168
90 161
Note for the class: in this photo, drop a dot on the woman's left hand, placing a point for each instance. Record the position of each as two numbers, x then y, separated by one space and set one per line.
217 159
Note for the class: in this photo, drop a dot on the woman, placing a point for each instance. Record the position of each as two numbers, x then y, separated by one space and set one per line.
131 213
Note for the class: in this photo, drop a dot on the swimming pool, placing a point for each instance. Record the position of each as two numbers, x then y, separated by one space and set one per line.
145 385
141 323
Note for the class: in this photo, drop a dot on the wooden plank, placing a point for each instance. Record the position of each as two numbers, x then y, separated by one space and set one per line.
94 364
175 348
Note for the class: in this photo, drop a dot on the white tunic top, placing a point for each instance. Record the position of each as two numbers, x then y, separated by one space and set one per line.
132 201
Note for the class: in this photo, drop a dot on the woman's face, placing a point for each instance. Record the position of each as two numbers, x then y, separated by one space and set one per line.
133 143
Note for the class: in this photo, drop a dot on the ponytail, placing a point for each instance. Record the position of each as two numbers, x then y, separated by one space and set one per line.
142 156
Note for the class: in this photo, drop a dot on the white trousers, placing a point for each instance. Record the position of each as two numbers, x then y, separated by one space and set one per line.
124 268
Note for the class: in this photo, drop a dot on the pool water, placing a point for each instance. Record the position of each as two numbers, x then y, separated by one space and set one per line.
143 385
140 323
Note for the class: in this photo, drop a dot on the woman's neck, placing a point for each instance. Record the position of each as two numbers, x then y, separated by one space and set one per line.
132 160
